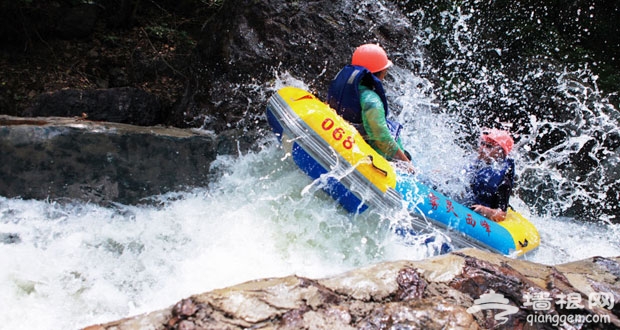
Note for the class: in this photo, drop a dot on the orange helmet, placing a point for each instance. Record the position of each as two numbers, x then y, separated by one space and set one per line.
372 57
499 137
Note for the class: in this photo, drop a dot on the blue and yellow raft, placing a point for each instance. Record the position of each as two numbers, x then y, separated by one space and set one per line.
327 147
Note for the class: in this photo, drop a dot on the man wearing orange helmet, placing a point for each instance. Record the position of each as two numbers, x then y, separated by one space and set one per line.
357 94
493 175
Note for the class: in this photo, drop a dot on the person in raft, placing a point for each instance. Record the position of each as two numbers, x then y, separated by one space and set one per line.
357 95
492 175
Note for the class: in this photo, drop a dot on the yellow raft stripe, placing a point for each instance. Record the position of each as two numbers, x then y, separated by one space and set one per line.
524 233
341 136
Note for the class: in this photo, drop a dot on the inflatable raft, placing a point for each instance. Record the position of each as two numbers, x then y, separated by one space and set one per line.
329 149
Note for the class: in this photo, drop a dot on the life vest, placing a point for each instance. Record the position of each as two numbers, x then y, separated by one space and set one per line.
344 97
487 180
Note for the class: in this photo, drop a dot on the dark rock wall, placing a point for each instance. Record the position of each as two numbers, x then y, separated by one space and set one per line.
239 56
63 158
118 105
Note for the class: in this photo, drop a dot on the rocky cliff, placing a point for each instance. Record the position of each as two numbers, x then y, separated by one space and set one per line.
100 162
467 289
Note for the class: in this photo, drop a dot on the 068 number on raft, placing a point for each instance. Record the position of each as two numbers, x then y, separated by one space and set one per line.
338 133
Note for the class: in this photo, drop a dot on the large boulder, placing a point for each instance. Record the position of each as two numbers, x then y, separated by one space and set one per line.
101 162
446 292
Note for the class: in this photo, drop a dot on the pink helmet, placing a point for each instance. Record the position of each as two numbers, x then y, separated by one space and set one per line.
499 137
372 57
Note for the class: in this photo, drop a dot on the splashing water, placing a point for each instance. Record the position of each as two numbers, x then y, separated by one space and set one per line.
567 129
80 264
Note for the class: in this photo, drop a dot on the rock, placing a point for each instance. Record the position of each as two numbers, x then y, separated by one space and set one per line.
184 308
437 293
250 43
99 162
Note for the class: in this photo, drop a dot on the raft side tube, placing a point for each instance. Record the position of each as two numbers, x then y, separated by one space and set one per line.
515 235
369 179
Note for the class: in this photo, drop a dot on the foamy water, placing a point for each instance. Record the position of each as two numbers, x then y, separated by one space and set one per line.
74 265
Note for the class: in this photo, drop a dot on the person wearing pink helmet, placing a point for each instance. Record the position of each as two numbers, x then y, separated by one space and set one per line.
492 176
357 95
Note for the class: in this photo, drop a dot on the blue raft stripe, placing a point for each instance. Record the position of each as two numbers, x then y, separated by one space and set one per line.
437 207
314 169
334 188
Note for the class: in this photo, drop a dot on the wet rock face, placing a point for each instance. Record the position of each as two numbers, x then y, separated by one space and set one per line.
249 42
224 55
59 158
446 292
